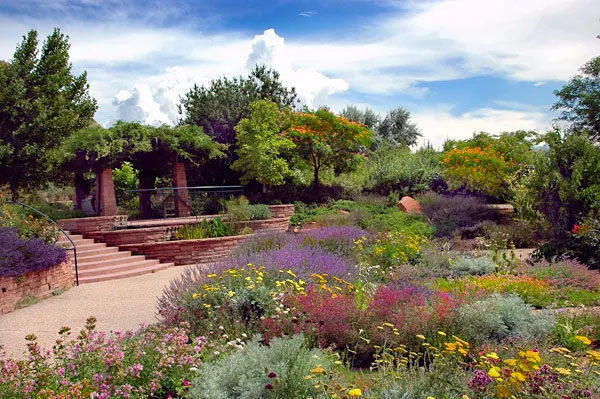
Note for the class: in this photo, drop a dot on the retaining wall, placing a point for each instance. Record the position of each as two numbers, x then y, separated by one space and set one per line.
95 223
37 284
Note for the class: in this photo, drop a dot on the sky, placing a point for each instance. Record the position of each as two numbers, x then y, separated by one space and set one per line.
458 66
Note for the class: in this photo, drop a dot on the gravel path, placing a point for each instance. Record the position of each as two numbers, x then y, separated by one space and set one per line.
117 304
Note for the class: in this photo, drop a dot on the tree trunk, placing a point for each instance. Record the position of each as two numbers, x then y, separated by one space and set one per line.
316 182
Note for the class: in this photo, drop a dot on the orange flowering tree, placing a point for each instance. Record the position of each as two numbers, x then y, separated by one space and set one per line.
325 139
487 163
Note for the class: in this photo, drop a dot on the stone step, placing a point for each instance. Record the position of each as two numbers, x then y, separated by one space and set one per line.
103 250
124 267
78 243
131 273
110 253
117 259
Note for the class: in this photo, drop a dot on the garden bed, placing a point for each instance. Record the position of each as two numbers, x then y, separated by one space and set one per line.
34 285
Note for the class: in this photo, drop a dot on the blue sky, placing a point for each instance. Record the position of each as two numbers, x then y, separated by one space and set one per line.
458 66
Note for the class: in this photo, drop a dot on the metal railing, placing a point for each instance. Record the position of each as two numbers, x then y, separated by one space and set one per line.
200 200
74 248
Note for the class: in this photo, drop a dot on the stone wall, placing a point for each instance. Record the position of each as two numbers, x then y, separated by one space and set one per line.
186 252
282 211
37 284
95 223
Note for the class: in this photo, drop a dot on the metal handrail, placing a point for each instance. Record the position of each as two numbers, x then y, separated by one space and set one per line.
59 228
184 188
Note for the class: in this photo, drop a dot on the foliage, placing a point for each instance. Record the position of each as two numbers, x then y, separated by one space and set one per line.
449 214
261 146
240 210
274 371
26 224
367 117
487 163
152 362
327 140
19 256
397 130
223 103
398 169
504 236
503 317
468 265
392 249
564 273
579 100
396 221
207 228
126 178
534 291
55 211
41 103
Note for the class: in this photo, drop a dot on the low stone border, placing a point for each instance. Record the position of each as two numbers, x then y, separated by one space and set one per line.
185 252
96 223
38 285
164 233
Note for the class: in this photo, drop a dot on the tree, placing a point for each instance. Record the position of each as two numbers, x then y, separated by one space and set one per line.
325 139
219 106
579 100
260 145
367 117
41 103
397 130
487 163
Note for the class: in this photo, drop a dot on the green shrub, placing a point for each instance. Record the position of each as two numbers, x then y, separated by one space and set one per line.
468 265
503 236
397 222
245 374
449 214
393 198
503 317
260 212
212 228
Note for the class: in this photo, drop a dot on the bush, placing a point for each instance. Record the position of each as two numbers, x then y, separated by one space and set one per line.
19 256
503 317
25 224
565 273
516 235
212 228
260 212
274 371
468 265
397 222
449 214
150 363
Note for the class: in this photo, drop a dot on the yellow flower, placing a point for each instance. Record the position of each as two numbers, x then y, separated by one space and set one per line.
355 393
494 372
492 355
465 397
318 370
195 295
583 339
421 336
230 294
518 376
443 334
562 371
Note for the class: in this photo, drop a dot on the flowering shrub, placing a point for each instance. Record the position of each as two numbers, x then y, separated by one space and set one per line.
25 224
151 363
392 249
336 239
535 291
19 256
564 273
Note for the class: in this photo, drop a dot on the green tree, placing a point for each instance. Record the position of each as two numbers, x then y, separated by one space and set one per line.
41 104
324 139
579 100
261 145
396 129
367 117
219 106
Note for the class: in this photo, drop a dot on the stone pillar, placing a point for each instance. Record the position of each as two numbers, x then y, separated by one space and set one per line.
106 202
182 201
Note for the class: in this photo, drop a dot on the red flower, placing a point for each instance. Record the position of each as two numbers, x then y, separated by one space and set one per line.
269 387
576 229
187 383
272 374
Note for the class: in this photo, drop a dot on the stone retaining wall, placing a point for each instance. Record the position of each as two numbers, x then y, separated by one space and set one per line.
186 252
96 223
164 233
37 284
282 211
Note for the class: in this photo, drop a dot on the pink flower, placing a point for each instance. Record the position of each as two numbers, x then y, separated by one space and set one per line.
576 229
187 383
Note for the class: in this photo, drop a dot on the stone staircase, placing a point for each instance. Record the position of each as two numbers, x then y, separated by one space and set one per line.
98 262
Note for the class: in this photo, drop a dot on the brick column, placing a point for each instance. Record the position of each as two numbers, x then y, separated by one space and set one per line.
106 203
182 201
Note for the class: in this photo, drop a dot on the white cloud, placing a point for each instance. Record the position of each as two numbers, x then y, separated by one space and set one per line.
312 86
439 124
307 13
